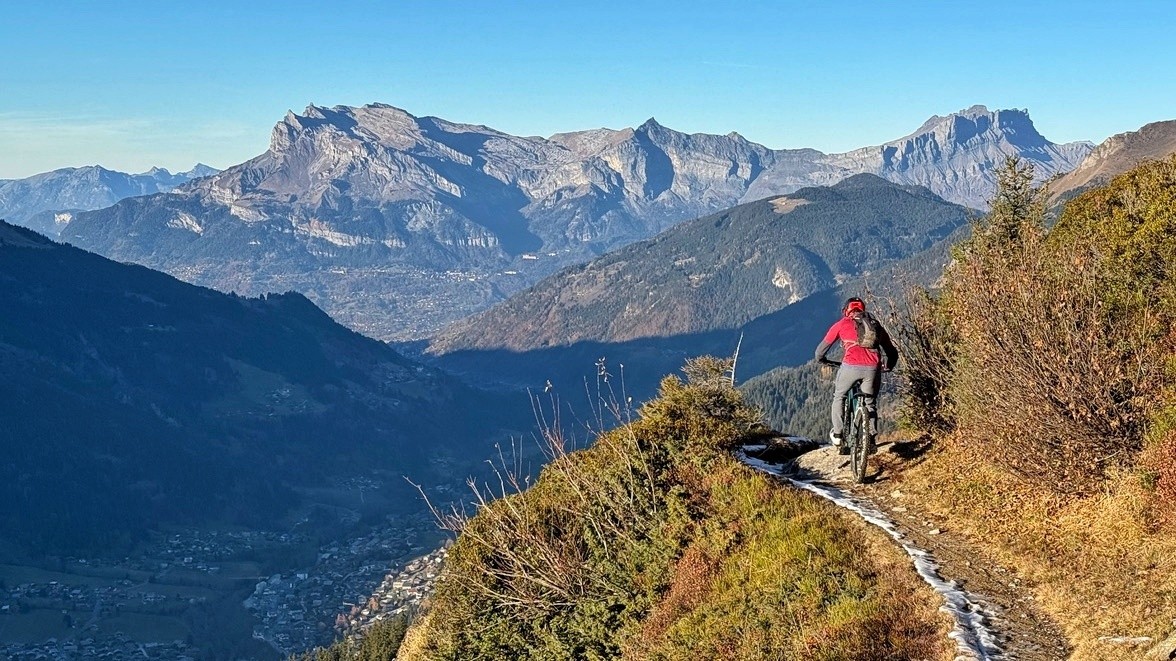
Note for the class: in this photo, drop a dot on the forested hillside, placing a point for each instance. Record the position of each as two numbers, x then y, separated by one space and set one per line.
796 400
719 271
700 287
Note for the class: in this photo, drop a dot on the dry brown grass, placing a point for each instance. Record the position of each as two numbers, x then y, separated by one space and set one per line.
416 639
909 597
1160 460
693 575
1097 565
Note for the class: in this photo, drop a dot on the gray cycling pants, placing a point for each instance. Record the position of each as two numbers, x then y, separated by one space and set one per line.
871 378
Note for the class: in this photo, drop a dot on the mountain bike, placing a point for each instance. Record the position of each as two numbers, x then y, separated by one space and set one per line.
855 428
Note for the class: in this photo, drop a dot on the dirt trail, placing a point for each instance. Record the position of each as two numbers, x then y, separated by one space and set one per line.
1021 630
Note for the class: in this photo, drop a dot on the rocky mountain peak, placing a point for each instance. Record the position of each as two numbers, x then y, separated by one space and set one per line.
593 141
652 127
200 170
287 131
283 133
935 121
378 112
945 153
314 111
980 123
378 122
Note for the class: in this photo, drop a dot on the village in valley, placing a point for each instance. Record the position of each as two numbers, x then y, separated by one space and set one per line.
145 607
307 608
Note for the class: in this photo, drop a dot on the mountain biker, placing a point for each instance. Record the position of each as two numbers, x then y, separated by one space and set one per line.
858 363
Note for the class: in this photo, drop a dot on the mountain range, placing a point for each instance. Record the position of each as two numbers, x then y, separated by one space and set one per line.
398 225
135 401
719 271
772 272
132 400
46 202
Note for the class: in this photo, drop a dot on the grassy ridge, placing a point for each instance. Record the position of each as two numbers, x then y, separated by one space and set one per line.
655 544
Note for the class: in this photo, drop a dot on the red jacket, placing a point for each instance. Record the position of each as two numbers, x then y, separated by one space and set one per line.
856 356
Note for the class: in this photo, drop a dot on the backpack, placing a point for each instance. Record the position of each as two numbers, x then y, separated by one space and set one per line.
867 330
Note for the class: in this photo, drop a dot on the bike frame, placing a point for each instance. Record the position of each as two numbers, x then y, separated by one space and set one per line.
855 429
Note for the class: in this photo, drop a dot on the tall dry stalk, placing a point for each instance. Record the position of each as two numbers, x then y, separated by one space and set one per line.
535 559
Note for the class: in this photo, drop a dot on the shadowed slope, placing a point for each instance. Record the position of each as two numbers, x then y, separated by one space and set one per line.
132 400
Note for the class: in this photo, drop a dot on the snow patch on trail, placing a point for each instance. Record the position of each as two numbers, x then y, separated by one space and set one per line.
973 639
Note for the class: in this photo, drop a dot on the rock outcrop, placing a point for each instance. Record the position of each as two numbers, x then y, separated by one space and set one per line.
1116 155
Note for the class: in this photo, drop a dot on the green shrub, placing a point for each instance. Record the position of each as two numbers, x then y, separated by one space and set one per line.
1132 224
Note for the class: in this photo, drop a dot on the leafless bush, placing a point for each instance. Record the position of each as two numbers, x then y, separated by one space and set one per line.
926 343
1059 379
1026 350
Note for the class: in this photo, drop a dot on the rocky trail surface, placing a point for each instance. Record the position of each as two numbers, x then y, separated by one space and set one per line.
995 613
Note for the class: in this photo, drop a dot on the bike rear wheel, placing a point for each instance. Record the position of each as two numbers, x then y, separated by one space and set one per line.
859 444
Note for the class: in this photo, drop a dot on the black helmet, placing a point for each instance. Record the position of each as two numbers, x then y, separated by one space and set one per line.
852 305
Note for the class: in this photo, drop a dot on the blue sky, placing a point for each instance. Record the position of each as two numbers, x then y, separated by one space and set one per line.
129 85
